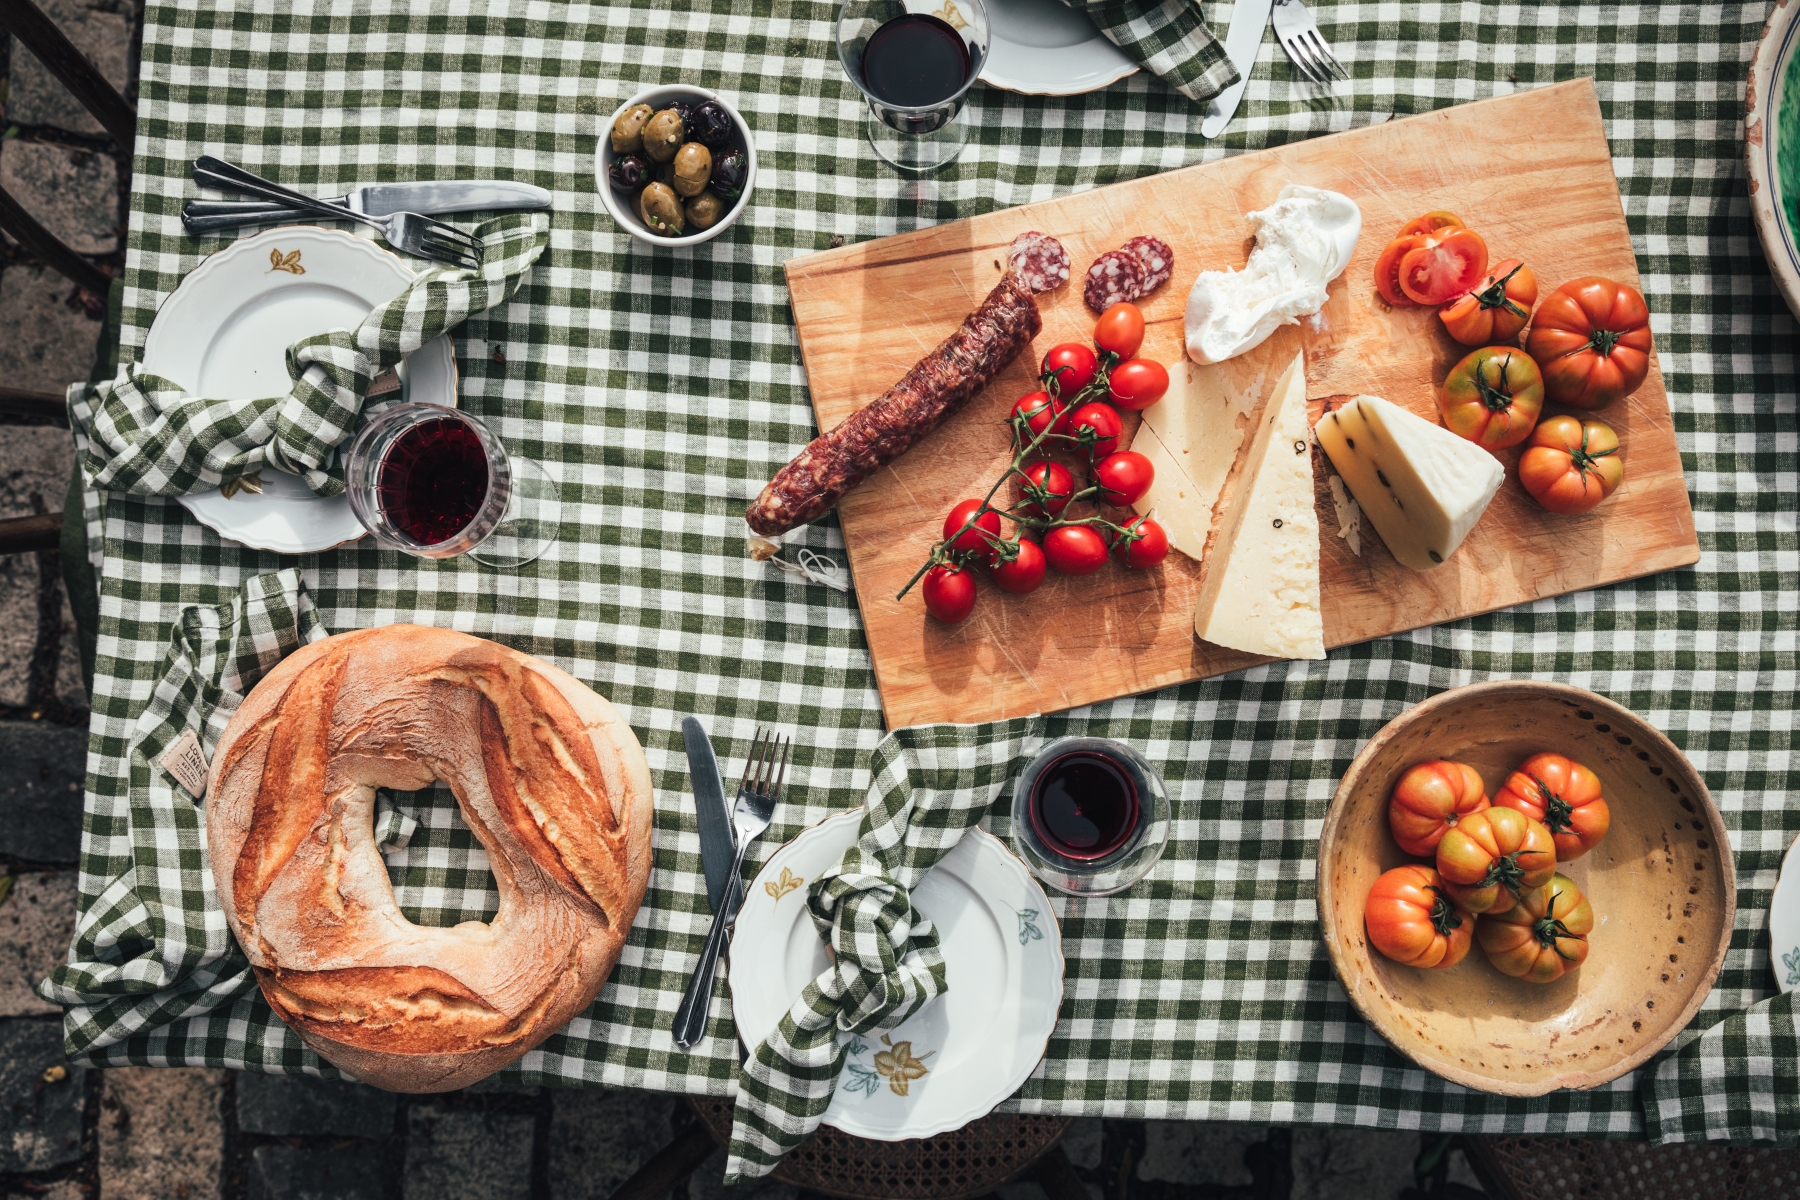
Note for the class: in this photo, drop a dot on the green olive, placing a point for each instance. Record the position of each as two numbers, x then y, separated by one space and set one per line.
663 135
660 210
693 167
705 210
628 130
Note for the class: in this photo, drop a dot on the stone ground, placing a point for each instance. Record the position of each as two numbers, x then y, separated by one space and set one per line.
142 1133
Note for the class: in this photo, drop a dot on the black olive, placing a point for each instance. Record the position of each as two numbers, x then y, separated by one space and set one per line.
729 170
711 125
684 110
630 173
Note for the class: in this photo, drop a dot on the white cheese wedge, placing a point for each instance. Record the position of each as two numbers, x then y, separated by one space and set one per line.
1261 591
1191 439
1421 486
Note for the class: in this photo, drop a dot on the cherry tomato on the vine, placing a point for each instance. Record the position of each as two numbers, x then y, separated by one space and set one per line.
1040 411
1120 330
1124 478
1024 571
986 526
1447 264
1075 549
1137 383
1148 544
1072 365
949 593
1103 419
1047 489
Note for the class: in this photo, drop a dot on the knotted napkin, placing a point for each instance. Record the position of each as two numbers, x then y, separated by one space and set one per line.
927 786
1738 1081
1168 38
149 436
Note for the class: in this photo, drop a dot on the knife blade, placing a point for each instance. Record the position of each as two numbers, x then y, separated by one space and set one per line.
1242 40
718 845
377 200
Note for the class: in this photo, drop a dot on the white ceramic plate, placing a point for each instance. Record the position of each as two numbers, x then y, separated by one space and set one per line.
224 333
967 1050
1043 48
1772 147
1784 922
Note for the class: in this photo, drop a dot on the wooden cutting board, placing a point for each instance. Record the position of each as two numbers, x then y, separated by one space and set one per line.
1531 172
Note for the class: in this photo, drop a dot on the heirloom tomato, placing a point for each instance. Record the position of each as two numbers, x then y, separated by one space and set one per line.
949 593
1543 936
1137 383
1493 856
1146 544
1047 489
1412 919
1496 309
1443 265
1592 339
1075 549
1565 796
1492 397
1431 222
977 536
1072 365
1024 571
1387 269
1428 802
1120 330
1124 477
1103 421
1570 466
1040 411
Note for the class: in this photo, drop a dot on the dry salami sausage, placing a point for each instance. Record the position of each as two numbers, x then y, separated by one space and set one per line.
1154 255
1040 260
939 384
1116 276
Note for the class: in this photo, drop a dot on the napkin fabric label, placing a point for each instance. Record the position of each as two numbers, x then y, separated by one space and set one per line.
187 763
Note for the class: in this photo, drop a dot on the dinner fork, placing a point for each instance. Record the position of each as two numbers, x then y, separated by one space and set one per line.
1299 35
754 810
406 232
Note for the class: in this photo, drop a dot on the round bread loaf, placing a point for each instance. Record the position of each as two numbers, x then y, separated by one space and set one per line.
549 778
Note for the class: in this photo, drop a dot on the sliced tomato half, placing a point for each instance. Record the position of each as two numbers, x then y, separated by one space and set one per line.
1431 222
1447 264
1387 269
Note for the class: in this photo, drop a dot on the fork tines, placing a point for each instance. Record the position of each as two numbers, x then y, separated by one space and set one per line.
448 243
1313 57
760 765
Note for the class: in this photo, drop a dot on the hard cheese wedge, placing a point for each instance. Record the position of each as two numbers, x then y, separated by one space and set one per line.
1421 485
1261 591
1191 439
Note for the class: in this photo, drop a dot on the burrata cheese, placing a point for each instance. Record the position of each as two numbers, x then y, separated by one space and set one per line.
1303 241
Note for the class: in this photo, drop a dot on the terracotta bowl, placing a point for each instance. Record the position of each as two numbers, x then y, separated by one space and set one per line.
1662 886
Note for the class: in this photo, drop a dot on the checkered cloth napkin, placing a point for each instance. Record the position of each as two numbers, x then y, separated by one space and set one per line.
927 786
1739 1081
144 952
1168 38
145 434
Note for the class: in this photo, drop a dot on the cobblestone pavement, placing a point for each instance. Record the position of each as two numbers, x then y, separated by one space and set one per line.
68 1133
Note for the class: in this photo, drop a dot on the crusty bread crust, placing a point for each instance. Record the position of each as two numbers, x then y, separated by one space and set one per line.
549 778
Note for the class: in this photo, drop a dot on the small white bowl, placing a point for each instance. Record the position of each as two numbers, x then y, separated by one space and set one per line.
658 98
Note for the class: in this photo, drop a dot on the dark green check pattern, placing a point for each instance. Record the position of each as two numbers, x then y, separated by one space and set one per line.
663 387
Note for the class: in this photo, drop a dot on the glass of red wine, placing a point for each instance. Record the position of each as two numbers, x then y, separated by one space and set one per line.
914 62
437 483
1090 816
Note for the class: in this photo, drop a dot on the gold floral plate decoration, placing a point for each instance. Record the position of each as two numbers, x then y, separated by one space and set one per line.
959 1056
224 333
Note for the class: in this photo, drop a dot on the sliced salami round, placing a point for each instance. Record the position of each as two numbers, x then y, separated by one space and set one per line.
1115 277
1154 255
1040 260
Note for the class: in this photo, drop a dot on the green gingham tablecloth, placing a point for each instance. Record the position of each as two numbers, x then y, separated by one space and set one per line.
662 388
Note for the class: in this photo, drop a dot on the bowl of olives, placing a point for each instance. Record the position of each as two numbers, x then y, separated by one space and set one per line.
675 166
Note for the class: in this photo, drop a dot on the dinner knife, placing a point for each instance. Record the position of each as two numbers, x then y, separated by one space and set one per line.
718 846
1242 41
377 200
